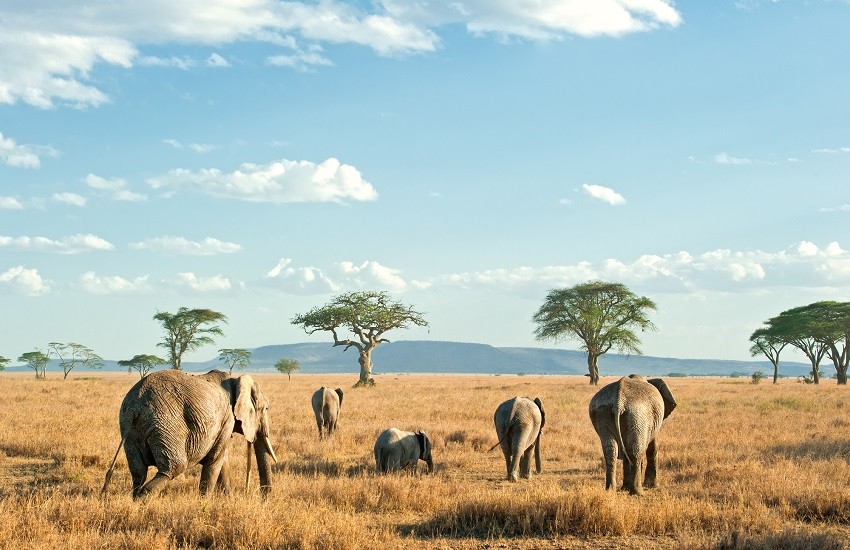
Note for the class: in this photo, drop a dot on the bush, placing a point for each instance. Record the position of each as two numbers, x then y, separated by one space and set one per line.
757 376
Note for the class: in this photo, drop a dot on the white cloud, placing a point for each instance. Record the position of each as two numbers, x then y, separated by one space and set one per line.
21 280
216 283
372 275
75 244
182 63
342 275
96 284
70 198
299 280
284 181
840 208
725 158
10 203
115 188
605 194
832 151
199 148
215 60
12 154
180 245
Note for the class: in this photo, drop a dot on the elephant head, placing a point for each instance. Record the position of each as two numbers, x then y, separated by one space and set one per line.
425 450
250 408
669 402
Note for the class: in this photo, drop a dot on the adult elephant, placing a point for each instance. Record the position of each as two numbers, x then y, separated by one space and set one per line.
627 416
326 405
519 422
172 420
396 449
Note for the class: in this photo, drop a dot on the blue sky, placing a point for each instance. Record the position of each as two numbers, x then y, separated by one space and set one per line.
257 156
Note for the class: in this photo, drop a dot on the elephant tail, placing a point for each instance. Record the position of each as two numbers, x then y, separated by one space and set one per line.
505 437
112 466
618 410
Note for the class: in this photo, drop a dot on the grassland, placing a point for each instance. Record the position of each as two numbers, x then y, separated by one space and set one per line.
741 466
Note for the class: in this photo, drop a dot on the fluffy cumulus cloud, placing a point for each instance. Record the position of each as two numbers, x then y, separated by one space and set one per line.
114 188
183 246
98 284
74 244
47 55
726 158
22 280
10 203
604 194
341 276
70 198
284 181
16 155
216 283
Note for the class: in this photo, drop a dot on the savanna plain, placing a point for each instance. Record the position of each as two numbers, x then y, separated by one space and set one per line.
740 466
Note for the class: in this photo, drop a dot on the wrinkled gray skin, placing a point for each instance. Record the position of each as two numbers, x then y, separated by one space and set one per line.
627 416
396 449
172 420
519 422
326 405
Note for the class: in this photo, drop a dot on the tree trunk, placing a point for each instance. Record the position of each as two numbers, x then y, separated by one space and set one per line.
815 373
365 361
841 374
775 371
593 368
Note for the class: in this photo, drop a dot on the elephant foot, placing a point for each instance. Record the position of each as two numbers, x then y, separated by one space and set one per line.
649 484
513 478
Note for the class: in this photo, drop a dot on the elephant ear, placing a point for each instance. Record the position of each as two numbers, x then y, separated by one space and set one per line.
423 444
669 402
339 393
542 414
243 407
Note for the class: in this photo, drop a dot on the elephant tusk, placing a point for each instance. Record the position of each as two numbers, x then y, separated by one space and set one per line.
248 466
271 450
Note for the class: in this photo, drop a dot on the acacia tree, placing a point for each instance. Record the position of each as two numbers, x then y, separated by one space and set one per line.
828 322
72 354
602 315
366 314
237 358
3 362
770 342
796 326
187 330
287 366
142 363
37 361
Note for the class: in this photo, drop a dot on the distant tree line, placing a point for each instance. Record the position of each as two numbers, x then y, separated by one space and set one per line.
819 330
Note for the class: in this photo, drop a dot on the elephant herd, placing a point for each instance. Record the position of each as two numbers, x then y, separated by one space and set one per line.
172 421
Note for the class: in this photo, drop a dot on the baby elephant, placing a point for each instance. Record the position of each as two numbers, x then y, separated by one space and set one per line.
519 422
326 404
396 449
627 416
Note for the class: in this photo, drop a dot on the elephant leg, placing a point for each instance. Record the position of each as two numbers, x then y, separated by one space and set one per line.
514 467
223 483
152 487
137 466
649 479
210 475
627 474
609 455
635 485
525 464
319 424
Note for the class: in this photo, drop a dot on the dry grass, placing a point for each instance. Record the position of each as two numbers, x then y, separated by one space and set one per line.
742 466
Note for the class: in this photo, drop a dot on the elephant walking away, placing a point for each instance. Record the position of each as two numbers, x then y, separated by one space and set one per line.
627 416
519 422
172 420
326 405
396 449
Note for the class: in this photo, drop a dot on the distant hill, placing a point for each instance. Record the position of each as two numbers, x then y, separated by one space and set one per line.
416 356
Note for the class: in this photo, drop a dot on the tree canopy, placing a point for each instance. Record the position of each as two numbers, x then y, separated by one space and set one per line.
72 354
3 362
236 358
769 342
37 361
368 315
602 315
188 330
142 363
287 366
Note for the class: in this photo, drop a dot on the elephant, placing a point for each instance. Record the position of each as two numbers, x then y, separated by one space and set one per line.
396 449
173 420
627 416
326 405
519 423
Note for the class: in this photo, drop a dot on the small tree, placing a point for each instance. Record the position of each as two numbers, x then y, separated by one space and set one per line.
235 358
72 354
3 363
757 377
368 315
37 361
142 363
770 342
187 330
602 315
288 366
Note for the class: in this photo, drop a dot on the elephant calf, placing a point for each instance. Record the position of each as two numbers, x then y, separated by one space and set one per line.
627 416
519 422
396 449
326 405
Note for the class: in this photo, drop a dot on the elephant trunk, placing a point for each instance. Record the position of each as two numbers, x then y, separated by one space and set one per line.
263 451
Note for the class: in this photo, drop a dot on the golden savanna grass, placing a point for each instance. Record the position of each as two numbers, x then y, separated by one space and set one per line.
741 466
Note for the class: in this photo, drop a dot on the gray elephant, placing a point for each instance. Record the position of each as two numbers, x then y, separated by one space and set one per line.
173 420
396 449
519 422
627 416
326 405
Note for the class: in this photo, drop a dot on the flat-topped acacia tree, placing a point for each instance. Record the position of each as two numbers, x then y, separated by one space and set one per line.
367 315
